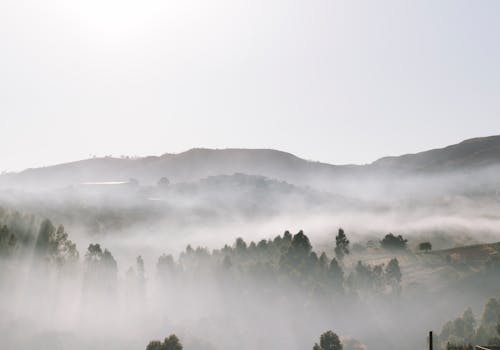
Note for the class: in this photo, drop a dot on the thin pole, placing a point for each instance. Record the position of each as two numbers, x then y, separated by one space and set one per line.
430 340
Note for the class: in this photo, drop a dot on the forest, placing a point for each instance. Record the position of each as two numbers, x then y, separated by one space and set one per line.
274 292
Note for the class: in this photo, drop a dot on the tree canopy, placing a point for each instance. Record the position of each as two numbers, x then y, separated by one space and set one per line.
391 241
328 341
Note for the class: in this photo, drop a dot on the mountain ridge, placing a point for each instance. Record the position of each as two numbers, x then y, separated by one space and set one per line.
198 163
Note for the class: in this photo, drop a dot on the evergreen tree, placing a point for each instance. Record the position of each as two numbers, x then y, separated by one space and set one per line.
328 341
341 245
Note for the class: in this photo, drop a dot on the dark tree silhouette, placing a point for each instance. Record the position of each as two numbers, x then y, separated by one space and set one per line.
163 182
336 275
394 275
54 246
328 341
8 242
341 245
425 246
101 268
391 241
170 343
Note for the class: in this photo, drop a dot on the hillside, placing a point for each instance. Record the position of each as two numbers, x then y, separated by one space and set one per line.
195 164
469 154
191 165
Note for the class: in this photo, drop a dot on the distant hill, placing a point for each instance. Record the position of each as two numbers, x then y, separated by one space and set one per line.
469 154
196 164
191 165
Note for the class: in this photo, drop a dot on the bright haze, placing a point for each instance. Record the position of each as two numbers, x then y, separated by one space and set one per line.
335 81
229 174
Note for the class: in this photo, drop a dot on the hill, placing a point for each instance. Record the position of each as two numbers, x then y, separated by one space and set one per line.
470 156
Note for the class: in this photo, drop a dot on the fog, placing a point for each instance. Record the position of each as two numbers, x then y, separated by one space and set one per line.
225 295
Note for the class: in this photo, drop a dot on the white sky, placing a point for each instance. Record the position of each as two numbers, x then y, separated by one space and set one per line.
336 81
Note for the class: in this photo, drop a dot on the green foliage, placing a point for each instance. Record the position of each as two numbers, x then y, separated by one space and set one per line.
8 242
54 246
101 268
336 275
154 345
328 341
488 332
368 278
425 246
341 245
460 331
287 261
170 343
394 275
391 241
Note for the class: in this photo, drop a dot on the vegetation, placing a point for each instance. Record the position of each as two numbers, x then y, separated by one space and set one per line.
328 341
341 245
263 269
169 343
8 242
425 246
462 331
391 242
100 268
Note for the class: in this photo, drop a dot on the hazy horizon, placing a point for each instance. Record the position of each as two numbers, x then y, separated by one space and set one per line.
233 148
339 82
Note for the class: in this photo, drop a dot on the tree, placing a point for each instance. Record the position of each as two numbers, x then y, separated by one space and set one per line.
341 245
163 182
323 261
495 340
487 330
301 243
53 245
393 272
101 268
170 343
425 246
8 242
140 270
336 275
287 236
391 241
460 331
165 265
154 345
328 341
240 245
297 260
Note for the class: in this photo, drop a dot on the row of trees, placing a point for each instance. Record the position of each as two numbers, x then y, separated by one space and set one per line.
285 260
389 242
328 341
464 330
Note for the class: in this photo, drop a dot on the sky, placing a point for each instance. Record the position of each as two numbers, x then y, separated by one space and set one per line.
335 81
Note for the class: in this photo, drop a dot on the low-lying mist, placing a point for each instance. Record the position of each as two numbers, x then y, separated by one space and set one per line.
137 262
